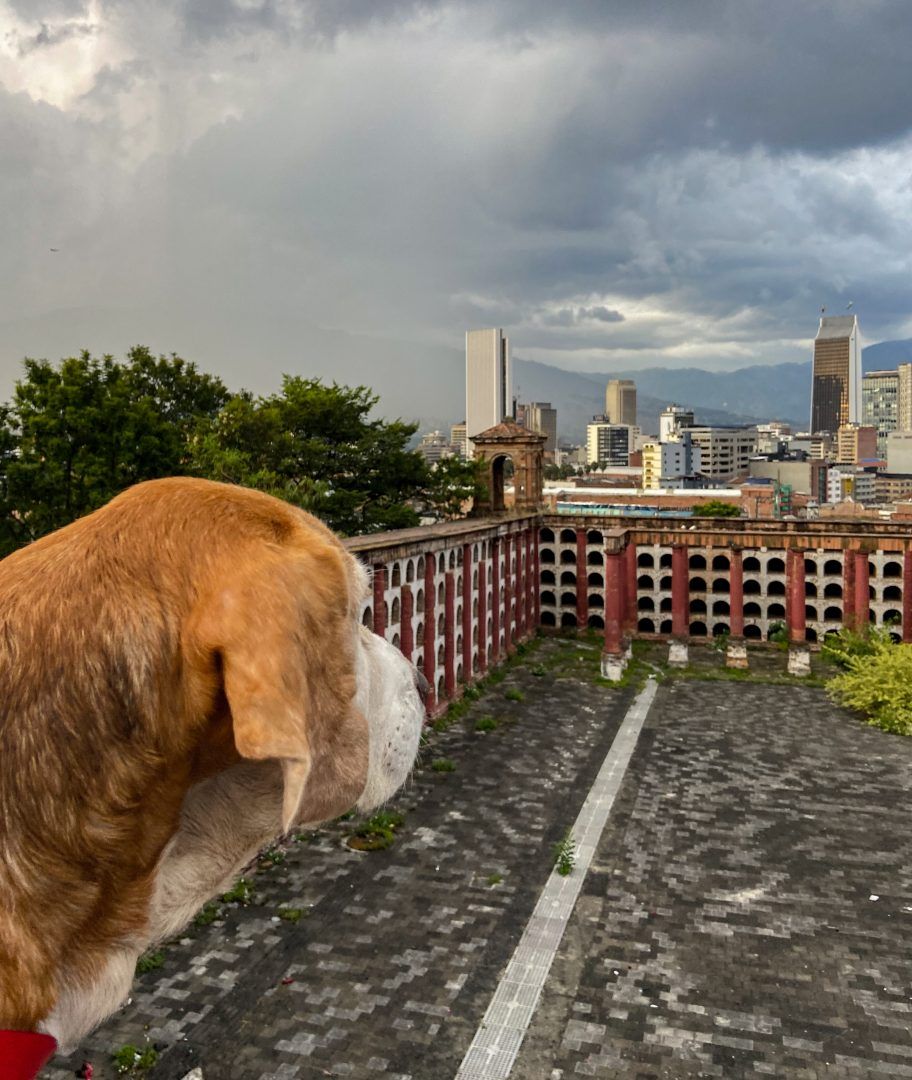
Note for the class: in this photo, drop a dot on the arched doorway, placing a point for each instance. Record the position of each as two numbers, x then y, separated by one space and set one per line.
504 442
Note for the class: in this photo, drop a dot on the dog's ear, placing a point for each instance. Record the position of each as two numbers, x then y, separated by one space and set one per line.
285 642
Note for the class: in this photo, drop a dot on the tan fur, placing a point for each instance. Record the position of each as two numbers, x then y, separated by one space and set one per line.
145 650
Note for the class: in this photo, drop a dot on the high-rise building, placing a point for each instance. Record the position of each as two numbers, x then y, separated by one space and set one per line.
880 404
488 399
856 443
668 464
541 417
836 374
458 438
904 397
725 452
621 401
609 443
434 447
672 420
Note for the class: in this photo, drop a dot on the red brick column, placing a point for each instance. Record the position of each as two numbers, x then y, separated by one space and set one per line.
482 616
406 631
468 570
495 599
907 597
797 624
736 593
449 634
848 589
582 581
536 577
429 645
679 591
630 586
521 586
531 585
508 595
614 601
380 600
862 600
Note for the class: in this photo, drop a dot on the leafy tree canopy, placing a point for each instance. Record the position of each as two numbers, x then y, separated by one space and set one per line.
717 508
78 432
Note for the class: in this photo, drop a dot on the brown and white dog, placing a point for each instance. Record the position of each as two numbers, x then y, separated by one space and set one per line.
183 678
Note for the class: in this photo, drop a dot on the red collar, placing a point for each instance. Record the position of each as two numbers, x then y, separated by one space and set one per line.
24 1053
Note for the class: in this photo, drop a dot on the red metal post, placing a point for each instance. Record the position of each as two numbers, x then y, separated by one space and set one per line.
449 634
736 593
406 630
679 591
468 569
495 599
582 582
797 623
429 645
614 601
380 600
862 599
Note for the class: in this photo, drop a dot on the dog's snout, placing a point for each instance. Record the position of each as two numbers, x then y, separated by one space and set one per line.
424 687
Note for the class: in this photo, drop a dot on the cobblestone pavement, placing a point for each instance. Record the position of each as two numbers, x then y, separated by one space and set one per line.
398 951
749 909
748 912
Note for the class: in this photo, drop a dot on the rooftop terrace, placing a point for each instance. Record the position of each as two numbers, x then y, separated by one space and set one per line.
746 913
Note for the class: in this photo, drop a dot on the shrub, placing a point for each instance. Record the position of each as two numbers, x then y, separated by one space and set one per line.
878 683
565 854
842 647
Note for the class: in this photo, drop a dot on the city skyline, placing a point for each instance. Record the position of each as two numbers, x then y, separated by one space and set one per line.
316 189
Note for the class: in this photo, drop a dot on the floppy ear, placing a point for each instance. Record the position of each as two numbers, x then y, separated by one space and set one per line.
283 635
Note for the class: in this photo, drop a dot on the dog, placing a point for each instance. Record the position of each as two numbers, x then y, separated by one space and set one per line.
183 679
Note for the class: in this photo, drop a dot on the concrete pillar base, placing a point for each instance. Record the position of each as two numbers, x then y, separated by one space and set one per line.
628 649
736 654
799 661
613 666
677 653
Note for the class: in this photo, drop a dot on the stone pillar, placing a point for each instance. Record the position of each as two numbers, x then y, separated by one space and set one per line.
848 589
429 645
495 599
406 630
862 599
449 634
613 654
677 651
508 595
736 653
380 600
468 569
482 616
907 597
582 581
799 655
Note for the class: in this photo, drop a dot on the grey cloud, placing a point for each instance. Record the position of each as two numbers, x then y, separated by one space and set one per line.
48 35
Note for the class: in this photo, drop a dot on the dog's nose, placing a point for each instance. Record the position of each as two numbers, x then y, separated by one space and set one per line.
424 687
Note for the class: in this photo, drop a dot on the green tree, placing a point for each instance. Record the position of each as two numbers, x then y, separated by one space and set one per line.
717 508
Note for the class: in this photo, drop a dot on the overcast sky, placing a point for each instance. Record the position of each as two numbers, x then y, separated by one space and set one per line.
617 182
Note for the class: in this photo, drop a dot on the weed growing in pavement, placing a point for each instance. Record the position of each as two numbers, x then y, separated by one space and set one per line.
150 961
239 893
538 670
494 879
485 723
133 1060
443 764
272 856
291 914
565 854
207 914
377 833
513 694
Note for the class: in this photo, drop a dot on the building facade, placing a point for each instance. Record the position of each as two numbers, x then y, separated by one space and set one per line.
609 443
899 452
904 397
621 401
725 452
488 381
880 404
836 374
434 446
856 443
666 465
672 420
541 417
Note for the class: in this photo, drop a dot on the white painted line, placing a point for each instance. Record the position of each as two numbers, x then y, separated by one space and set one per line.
496 1044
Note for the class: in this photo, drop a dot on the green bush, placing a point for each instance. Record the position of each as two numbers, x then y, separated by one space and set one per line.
841 648
878 683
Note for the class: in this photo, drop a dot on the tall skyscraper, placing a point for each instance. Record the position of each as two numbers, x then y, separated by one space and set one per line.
488 374
880 404
904 398
621 401
836 377
608 443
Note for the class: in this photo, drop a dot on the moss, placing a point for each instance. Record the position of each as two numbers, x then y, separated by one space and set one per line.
150 961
